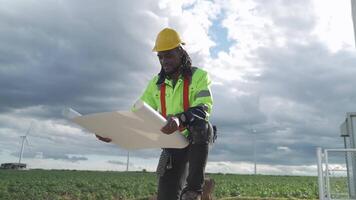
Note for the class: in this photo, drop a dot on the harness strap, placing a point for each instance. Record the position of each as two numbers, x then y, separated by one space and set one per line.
163 100
185 99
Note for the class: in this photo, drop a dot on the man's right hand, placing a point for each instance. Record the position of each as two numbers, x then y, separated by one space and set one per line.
104 139
171 126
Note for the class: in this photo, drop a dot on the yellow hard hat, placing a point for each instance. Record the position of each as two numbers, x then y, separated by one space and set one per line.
167 39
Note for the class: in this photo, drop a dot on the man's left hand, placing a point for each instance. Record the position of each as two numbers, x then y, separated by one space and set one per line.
171 126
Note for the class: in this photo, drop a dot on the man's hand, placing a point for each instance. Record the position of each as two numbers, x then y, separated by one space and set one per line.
104 139
171 126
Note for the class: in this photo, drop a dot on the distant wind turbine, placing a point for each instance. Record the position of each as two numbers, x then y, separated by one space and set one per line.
24 138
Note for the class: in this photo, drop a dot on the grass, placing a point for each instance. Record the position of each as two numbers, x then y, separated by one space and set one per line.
91 185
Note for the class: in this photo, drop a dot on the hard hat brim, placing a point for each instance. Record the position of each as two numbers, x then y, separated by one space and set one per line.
157 49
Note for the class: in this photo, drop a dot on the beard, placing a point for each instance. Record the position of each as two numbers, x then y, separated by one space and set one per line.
172 71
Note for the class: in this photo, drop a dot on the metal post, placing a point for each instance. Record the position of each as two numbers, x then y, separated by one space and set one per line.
348 166
253 131
327 174
351 122
320 173
327 188
254 153
128 161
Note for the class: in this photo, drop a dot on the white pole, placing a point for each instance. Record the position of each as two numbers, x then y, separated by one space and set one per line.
254 152
327 173
128 161
320 173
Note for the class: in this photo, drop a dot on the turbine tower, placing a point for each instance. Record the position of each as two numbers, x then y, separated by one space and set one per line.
128 161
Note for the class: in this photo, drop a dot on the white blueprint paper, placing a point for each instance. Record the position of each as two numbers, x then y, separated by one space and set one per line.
132 130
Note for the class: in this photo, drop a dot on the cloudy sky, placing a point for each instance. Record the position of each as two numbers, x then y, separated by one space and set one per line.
283 73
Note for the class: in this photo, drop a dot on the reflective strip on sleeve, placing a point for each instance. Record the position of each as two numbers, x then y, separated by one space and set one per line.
203 93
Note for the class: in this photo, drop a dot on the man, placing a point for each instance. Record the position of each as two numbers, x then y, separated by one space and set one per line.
181 93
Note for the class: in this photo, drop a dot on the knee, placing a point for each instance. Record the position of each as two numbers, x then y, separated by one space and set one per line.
200 132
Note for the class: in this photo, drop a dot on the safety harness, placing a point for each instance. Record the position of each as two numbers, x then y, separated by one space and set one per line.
185 99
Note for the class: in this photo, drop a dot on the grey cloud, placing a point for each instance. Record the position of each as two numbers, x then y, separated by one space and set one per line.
52 155
317 83
235 110
57 54
117 162
64 157
298 101
92 59
77 158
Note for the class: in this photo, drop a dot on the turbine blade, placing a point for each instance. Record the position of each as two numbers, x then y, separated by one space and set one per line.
70 113
29 129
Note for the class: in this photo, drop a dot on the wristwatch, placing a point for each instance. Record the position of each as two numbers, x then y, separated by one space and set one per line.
183 118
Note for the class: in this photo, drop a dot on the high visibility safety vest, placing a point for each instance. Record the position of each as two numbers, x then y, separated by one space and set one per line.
199 93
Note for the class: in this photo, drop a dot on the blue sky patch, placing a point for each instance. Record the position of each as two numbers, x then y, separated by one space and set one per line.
218 34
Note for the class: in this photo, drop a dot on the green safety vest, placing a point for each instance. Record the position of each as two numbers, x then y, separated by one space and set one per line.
199 94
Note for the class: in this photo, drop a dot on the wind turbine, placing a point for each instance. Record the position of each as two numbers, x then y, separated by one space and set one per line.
24 138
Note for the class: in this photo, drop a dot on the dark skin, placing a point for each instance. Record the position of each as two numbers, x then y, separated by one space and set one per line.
170 61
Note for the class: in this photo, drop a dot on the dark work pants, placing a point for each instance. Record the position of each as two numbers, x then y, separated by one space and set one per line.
188 166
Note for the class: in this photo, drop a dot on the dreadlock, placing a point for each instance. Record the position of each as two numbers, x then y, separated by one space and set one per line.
186 63
186 67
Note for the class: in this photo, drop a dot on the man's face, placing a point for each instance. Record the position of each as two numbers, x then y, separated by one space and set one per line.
170 60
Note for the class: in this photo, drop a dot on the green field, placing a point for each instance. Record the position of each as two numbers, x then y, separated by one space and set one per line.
57 184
